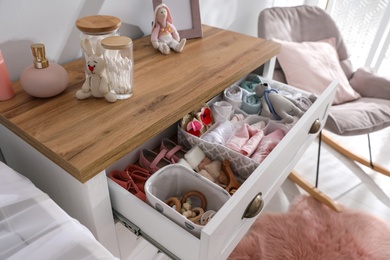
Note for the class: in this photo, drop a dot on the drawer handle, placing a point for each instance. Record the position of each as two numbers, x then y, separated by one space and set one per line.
315 127
254 207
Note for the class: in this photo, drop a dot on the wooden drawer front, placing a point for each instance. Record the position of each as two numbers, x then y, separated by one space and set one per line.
224 231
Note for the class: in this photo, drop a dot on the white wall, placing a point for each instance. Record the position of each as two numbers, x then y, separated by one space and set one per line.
23 22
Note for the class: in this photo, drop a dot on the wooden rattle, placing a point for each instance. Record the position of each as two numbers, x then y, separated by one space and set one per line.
233 184
174 201
196 194
199 213
182 207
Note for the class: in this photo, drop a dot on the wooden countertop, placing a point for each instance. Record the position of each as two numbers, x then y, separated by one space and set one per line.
86 136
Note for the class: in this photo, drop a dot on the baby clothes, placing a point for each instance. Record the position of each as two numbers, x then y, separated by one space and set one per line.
250 146
250 83
219 133
267 144
233 95
221 111
237 118
251 104
246 139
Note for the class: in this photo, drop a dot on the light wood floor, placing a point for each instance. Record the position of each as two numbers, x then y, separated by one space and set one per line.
346 186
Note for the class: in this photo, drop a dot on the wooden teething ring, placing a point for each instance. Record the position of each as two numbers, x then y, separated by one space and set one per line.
196 194
199 212
174 201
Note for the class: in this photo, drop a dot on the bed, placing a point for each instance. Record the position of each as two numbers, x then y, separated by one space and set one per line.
33 226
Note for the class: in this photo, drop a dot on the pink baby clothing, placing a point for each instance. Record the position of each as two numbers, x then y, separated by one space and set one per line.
267 144
245 139
249 147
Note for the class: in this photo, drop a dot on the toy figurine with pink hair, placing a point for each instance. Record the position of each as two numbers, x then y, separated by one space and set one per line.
164 34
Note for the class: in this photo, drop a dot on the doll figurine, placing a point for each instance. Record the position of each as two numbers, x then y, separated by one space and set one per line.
164 34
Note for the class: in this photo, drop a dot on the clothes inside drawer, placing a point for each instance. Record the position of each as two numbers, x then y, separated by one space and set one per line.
228 127
218 238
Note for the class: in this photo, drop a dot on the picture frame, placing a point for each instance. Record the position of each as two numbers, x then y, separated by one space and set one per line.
185 15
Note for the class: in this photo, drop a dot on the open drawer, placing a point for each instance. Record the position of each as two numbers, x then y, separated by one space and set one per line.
219 237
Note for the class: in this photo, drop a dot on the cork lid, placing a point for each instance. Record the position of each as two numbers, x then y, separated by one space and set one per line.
98 24
116 42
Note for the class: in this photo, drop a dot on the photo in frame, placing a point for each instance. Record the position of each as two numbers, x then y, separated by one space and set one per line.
185 15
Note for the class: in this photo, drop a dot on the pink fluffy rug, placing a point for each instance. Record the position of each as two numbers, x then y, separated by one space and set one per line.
310 230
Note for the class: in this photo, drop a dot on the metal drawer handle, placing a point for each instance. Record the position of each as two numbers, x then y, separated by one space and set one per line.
254 207
315 127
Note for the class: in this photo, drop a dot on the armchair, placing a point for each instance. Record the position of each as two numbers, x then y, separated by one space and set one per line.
312 53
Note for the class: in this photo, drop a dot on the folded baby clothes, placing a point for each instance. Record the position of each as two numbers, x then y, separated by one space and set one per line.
233 95
245 139
303 103
219 133
254 141
251 104
259 125
237 118
250 146
222 111
267 144
250 83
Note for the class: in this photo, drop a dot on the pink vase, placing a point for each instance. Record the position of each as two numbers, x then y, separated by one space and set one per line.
6 90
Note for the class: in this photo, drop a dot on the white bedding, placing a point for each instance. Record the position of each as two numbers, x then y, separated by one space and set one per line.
32 226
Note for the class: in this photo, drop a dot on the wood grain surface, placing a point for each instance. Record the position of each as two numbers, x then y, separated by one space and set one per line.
86 136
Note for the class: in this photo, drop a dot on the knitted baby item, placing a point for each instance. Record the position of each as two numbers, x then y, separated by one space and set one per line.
276 105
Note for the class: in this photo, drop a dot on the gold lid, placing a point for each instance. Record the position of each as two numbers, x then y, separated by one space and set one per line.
98 24
38 51
116 42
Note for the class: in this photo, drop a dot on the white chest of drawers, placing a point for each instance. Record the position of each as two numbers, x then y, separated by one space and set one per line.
65 145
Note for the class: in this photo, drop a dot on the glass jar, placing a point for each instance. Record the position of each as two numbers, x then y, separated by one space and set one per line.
95 28
118 55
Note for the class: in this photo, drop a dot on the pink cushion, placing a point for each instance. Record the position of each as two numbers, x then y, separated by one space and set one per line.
368 84
312 66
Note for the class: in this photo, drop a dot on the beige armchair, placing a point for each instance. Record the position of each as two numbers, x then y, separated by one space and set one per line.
362 104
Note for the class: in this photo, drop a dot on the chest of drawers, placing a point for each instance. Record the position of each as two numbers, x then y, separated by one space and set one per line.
66 146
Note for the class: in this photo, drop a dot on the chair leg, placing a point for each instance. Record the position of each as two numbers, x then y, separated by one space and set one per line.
335 145
313 191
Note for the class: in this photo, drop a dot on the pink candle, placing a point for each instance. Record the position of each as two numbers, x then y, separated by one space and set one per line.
6 90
